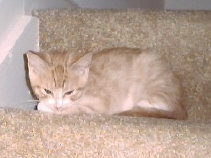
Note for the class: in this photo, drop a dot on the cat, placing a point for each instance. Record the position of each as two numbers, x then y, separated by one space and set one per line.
115 81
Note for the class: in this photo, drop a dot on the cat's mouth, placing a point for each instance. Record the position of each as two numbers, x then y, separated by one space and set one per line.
49 109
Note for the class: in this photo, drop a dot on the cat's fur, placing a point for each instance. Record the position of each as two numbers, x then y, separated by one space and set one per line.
120 81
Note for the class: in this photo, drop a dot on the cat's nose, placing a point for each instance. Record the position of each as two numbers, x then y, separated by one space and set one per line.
59 104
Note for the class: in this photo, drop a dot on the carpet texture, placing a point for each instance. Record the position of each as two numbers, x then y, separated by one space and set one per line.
32 134
183 38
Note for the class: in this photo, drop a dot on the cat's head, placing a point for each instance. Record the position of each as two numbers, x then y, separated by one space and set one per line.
57 78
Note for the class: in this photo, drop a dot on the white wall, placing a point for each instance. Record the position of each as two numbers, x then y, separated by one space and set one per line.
144 4
47 4
10 13
18 33
43 4
188 4
14 92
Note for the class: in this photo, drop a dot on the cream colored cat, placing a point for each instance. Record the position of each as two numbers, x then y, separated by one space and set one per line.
120 81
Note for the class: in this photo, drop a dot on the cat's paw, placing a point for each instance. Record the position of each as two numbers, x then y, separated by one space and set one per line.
42 107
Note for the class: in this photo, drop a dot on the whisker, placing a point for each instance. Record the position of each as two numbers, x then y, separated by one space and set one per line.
17 105
24 103
28 101
31 102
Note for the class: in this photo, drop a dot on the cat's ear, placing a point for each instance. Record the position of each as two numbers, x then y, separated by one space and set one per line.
36 65
81 66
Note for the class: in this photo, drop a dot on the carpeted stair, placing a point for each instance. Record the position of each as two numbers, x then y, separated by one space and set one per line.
182 37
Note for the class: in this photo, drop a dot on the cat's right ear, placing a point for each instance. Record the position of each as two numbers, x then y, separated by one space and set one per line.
81 66
36 65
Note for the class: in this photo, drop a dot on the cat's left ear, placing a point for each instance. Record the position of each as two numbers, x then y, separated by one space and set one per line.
36 65
81 66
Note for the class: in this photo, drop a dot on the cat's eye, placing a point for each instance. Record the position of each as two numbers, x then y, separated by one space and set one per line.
69 92
48 91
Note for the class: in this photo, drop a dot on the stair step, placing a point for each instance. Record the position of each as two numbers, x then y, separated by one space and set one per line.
183 37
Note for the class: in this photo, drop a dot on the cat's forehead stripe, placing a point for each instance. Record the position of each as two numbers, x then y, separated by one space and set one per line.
59 75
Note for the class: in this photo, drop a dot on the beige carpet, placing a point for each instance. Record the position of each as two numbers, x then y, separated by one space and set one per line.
32 134
184 38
